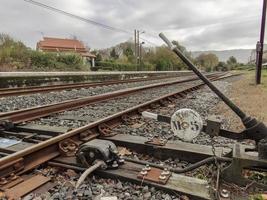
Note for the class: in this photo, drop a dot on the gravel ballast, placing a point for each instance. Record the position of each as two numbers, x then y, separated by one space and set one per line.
82 116
26 101
94 187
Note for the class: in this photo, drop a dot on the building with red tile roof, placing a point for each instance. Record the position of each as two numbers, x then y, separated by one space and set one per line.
59 45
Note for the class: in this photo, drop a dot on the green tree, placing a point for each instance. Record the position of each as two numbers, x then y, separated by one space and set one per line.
163 59
207 61
11 50
184 51
113 54
222 66
128 52
232 61
98 57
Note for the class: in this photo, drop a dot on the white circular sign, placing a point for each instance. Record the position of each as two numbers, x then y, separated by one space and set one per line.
186 124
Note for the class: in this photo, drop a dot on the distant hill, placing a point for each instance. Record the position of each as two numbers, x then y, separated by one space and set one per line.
242 55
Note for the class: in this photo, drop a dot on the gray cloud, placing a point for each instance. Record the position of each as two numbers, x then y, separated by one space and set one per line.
199 25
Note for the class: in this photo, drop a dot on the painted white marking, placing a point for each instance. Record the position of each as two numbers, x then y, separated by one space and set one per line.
186 124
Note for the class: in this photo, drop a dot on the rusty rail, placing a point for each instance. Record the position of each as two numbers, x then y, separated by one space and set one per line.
14 165
51 144
42 111
5 92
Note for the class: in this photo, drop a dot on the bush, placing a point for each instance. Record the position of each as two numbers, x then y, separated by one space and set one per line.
42 60
11 50
15 55
123 66
53 61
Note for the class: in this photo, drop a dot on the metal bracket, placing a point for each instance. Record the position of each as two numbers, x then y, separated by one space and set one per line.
154 175
68 147
105 130
125 118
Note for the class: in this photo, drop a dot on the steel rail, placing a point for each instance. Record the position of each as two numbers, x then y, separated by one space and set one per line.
52 143
4 92
28 114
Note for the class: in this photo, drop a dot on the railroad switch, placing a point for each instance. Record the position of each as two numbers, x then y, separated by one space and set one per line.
97 154
243 157
97 149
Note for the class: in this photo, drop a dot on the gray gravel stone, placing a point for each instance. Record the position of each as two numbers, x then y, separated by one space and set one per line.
38 99
201 101
82 116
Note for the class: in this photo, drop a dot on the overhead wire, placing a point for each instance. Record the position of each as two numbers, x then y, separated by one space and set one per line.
108 27
90 21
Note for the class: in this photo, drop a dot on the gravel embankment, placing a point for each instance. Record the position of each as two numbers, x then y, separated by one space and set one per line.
38 99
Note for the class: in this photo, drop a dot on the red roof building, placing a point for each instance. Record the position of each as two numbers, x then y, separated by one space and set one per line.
49 44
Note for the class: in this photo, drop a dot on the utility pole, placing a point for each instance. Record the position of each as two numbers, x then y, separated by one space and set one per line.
140 56
135 48
259 48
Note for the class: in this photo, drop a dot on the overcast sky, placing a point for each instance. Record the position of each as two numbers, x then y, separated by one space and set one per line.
196 24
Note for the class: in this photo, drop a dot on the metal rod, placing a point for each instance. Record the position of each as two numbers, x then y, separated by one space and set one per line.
237 110
183 170
260 44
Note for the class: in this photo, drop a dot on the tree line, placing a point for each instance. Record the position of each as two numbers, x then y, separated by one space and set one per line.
162 59
14 55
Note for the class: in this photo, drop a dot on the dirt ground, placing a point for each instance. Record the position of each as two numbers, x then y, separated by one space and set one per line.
250 98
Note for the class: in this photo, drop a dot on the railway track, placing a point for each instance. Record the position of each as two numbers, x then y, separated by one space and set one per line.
40 146
27 114
12 103
16 91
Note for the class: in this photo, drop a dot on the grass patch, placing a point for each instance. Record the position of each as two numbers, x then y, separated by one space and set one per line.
251 75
